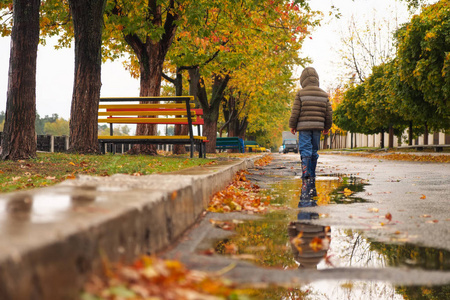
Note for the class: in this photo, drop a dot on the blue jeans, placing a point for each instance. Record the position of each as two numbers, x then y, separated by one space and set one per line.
308 145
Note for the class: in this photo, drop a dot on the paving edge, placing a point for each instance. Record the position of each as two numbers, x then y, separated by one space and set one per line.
113 218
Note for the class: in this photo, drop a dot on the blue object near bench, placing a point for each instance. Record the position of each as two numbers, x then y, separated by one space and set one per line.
223 143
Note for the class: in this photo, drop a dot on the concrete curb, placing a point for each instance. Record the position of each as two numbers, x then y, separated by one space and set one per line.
54 238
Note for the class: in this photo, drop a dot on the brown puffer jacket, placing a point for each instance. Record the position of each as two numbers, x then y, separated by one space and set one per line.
312 108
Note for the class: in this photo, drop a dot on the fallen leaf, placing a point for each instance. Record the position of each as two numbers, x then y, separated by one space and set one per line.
230 248
316 244
374 209
71 163
423 197
432 221
388 216
328 261
174 195
347 192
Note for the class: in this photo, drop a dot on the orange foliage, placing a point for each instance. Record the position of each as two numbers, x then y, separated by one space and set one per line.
154 278
240 195
264 161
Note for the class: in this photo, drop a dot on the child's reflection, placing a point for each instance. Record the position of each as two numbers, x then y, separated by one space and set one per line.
309 242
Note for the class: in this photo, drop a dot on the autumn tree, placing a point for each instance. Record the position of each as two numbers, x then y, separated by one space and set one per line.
87 24
238 38
382 105
19 139
87 18
424 59
59 127
145 29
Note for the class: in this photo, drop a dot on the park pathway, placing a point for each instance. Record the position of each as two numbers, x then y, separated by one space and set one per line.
382 229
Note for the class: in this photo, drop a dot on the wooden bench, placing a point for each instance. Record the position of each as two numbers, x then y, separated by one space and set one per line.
223 143
152 113
437 148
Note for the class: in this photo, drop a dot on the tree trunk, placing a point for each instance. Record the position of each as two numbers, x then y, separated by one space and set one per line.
151 66
325 141
382 139
151 55
410 133
88 25
19 137
425 135
391 137
351 140
211 109
179 129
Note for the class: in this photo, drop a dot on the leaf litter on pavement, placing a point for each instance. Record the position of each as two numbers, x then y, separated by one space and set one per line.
241 194
155 278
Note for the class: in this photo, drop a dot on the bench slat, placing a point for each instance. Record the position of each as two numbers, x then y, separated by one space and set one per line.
154 105
183 113
148 98
145 113
149 137
146 120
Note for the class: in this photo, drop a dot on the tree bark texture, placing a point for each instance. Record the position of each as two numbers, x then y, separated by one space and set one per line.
179 129
211 108
19 137
151 55
88 25
425 135
410 134
391 137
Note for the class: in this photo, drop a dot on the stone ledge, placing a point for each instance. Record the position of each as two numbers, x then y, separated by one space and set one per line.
55 237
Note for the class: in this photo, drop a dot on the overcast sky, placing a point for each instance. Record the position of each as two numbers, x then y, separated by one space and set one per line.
55 67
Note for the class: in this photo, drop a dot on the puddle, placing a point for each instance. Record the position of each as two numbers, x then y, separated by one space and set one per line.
332 189
287 239
351 290
46 207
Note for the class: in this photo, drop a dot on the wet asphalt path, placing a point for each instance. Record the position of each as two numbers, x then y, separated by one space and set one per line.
414 194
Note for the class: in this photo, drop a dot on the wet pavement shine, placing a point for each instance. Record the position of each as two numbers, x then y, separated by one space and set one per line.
379 231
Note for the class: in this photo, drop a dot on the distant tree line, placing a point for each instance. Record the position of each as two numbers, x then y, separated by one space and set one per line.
48 125
411 90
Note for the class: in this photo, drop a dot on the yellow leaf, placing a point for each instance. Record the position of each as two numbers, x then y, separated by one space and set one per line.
71 163
347 192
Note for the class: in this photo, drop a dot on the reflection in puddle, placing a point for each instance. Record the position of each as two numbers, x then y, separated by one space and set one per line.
351 290
46 207
309 242
289 239
334 189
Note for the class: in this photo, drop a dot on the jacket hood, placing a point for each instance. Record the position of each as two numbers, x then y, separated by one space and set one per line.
309 77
